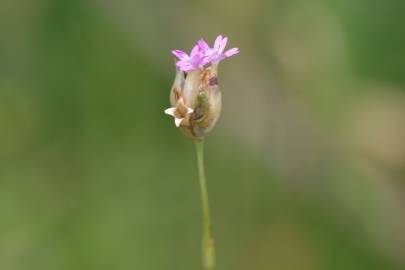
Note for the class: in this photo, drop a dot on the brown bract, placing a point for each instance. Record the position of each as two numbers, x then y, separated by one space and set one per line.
196 102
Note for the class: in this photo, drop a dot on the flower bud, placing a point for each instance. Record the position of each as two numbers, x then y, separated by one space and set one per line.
195 96
196 102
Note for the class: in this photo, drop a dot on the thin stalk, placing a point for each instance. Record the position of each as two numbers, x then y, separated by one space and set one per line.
208 254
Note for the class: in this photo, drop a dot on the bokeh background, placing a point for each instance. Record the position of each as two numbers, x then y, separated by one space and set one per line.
306 166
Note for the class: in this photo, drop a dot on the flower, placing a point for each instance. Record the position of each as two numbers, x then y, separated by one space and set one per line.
202 54
217 54
196 60
195 96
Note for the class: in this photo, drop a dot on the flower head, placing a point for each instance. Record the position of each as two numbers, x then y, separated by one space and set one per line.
202 54
197 59
217 53
195 96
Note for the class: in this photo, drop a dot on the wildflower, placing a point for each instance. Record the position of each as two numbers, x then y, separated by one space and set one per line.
195 96
217 54
197 59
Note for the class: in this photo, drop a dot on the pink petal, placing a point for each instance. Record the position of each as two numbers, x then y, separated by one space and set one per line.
184 66
194 51
231 52
203 45
205 60
180 54
181 64
217 43
210 52
223 44
218 58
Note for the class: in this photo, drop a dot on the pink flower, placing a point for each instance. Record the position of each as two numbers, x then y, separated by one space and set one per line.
197 59
204 47
202 54
217 53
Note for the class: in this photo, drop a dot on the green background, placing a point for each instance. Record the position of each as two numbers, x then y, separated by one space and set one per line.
305 168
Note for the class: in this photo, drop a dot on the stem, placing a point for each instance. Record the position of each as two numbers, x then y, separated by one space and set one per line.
208 255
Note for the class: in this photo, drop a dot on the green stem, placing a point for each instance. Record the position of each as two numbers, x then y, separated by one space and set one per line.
208 255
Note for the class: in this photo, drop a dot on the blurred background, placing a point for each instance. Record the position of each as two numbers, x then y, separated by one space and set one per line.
306 166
